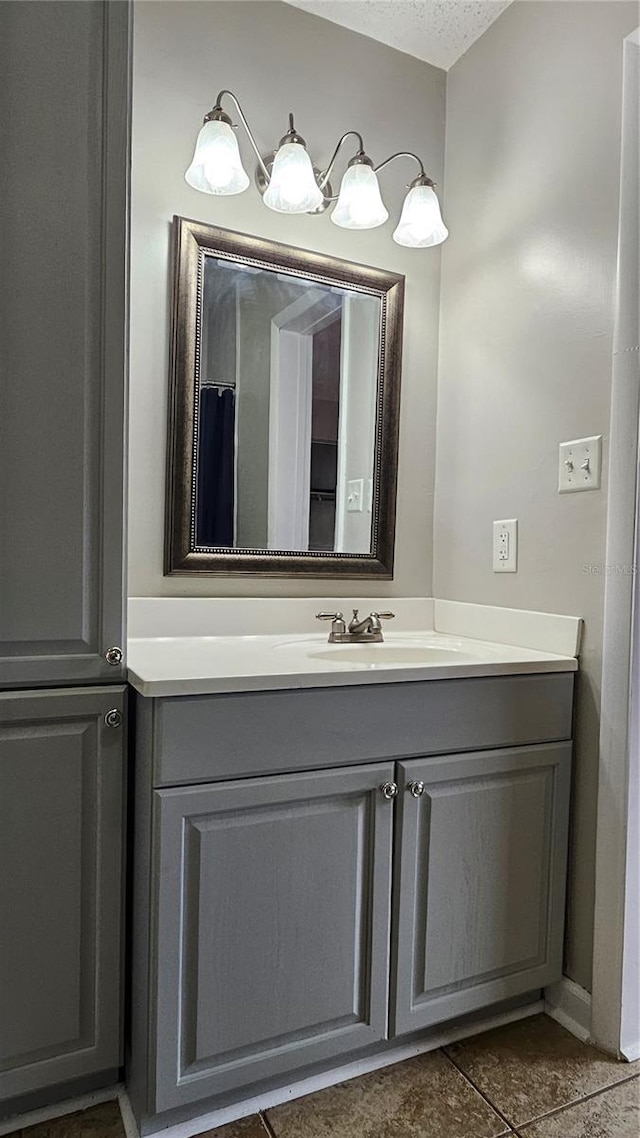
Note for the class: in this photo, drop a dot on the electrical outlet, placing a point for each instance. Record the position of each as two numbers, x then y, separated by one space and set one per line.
505 546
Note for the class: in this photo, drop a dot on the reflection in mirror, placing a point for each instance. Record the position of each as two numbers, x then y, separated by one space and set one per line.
287 407
283 422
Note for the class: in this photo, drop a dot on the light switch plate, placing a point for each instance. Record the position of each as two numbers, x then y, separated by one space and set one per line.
505 546
580 465
355 495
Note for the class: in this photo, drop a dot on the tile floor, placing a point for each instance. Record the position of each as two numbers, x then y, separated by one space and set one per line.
530 1079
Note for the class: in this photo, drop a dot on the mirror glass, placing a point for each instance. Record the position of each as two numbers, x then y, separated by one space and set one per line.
286 412
283 410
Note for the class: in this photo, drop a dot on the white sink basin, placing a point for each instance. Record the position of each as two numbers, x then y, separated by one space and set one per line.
408 650
384 655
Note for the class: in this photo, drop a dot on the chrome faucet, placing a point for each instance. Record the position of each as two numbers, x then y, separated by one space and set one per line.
367 631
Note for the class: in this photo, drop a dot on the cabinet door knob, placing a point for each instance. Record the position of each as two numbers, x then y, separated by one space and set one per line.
113 718
389 789
416 789
113 656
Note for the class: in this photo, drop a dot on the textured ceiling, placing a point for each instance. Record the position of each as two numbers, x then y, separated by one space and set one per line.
438 31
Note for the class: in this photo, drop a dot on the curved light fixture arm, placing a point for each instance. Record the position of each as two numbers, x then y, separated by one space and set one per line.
243 120
327 174
406 154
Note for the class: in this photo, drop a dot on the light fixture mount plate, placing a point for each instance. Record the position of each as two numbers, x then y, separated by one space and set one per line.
262 183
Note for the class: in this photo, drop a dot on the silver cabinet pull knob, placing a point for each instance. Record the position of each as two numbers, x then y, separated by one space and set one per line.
416 789
113 718
389 789
113 656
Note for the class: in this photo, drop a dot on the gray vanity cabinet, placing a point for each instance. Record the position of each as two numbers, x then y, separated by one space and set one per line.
63 295
290 914
481 860
61 850
273 927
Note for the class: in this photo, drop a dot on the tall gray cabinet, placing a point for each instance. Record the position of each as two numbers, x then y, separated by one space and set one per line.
63 232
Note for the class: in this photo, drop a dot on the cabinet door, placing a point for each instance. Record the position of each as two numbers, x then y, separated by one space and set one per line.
63 153
273 927
481 859
61 852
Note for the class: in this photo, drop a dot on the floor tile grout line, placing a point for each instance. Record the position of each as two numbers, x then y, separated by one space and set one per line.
266 1124
512 1129
471 1083
575 1102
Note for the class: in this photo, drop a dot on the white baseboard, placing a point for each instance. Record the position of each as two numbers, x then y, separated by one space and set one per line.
59 1109
206 1122
631 1051
128 1120
570 1006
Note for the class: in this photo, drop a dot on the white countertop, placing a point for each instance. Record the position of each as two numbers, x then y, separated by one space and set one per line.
199 665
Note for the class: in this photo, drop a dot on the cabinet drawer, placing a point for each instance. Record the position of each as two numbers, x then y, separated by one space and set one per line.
206 738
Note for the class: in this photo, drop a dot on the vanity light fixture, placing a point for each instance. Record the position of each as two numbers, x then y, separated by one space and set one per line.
216 166
421 223
290 183
360 204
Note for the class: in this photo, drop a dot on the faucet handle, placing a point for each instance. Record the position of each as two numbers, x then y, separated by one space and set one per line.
338 627
384 615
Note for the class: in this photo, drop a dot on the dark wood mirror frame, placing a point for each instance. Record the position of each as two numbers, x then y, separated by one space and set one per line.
193 242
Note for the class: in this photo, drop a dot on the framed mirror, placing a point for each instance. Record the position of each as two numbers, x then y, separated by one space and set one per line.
283 423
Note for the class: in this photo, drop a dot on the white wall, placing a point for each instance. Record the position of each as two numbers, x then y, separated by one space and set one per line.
357 420
276 58
615 1011
532 172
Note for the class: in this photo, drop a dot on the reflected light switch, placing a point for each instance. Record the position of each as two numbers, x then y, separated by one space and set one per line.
355 495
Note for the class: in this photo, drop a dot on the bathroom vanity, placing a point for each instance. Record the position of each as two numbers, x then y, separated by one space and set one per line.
325 869
337 846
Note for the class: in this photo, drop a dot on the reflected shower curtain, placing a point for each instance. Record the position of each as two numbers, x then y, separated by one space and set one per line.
216 462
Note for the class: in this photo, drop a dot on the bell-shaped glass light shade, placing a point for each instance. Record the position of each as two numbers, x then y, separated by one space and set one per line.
216 167
421 223
293 187
359 205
